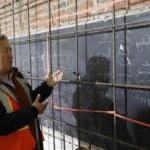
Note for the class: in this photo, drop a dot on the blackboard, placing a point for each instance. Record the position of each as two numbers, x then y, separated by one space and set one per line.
95 60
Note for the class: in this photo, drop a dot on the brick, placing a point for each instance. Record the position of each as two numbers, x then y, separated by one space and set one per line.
67 12
131 2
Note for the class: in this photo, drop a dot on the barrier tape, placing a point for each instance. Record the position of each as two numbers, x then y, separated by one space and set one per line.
113 113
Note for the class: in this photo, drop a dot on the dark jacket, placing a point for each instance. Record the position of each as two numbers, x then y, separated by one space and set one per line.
10 122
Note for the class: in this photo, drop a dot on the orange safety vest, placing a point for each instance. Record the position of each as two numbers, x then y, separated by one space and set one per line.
21 139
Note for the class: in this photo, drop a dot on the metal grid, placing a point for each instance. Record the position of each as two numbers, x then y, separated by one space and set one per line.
113 28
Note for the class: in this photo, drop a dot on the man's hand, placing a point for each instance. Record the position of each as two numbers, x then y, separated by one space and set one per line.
52 80
40 106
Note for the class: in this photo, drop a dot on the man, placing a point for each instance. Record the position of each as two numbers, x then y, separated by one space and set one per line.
20 105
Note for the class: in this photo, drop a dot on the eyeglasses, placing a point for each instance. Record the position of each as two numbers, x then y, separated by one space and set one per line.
6 49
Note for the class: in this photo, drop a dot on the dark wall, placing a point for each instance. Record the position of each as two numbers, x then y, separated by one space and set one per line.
93 60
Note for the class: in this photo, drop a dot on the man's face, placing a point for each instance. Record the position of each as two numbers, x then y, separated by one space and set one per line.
5 56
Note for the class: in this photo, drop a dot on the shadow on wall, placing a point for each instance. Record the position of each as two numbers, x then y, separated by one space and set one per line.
93 97
142 134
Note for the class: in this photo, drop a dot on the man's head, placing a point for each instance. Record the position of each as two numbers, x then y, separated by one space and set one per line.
5 55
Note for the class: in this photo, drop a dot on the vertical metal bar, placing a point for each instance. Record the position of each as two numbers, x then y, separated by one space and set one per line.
90 146
127 5
49 35
51 68
58 33
64 141
76 38
29 44
126 55
37 74
72 144
125 62
20 45
5 19
29 37
114 71
37 42
86 55
59 86
48 137
86 47
14 35
77 67
58 5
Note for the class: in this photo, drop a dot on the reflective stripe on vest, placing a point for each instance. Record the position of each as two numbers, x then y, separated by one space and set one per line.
4 98
6 90
24 128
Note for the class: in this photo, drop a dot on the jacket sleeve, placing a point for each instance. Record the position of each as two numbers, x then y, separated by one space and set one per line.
10 122
44 90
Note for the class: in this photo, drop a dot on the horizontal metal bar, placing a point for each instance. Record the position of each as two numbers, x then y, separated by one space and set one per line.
96 134
132 25
129 86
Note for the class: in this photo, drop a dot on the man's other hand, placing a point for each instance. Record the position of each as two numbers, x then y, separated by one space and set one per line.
40 106
56 77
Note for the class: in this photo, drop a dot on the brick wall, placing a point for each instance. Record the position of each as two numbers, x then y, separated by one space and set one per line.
39 13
